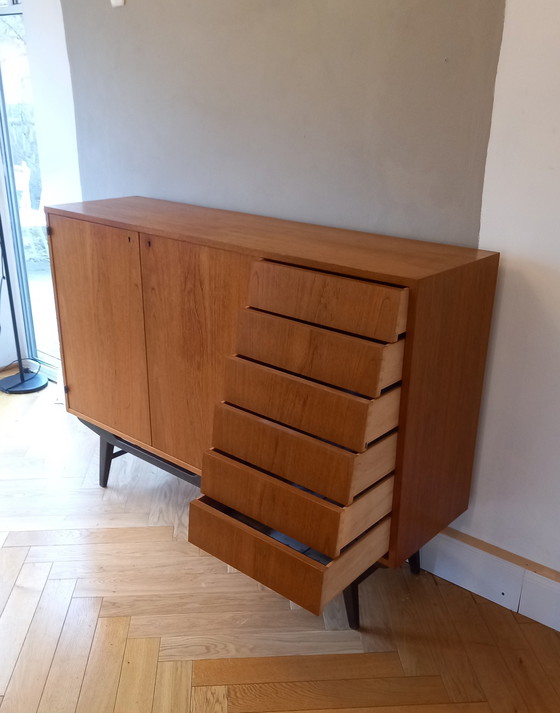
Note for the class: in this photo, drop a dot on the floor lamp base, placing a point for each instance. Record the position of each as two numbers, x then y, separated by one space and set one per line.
30 383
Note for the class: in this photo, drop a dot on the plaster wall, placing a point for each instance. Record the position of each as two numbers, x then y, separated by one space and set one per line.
369 114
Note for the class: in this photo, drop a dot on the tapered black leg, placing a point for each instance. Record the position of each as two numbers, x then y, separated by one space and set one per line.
414 563
352 604
105 458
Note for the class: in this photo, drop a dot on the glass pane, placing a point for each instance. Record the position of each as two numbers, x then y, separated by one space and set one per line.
27 178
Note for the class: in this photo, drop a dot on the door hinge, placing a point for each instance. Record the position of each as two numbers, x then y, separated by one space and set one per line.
66 389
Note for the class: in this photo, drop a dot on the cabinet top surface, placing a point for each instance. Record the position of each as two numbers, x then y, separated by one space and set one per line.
398 260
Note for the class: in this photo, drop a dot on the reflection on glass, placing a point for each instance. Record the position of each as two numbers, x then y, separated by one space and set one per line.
18 99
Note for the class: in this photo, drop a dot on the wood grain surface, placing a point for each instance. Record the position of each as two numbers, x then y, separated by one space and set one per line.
316 522
62 687
377 257
138 676
189 332
99 303
285 570
360 365
442 389
104 664
331 414
365 308
30 673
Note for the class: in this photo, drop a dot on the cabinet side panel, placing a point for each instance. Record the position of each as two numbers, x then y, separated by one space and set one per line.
101 323
450 316
192 298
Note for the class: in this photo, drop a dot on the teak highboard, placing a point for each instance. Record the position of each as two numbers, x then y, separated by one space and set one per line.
326 383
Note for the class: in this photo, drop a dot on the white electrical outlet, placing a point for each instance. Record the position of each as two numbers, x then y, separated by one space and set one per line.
117 3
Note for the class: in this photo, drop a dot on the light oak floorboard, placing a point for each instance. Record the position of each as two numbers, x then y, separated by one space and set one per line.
219 672
206 605
30 673
11 561
58 503
228 645
168 552
72 522
127 543
18 615
545 644
138 676
335 616
168 507
210 699
104 665
225 622
409 633
530 678
170 584
443 641
375 623
432 708
64 681
302 695
173 687
135 568
496 681
112 535
39 487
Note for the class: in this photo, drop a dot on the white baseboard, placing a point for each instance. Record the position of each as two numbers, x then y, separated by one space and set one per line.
494 578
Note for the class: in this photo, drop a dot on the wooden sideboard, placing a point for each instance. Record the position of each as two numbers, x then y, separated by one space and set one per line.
325 382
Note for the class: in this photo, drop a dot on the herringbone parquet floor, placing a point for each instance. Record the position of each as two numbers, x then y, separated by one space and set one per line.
106 608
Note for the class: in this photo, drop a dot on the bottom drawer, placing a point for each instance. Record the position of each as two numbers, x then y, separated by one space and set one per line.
297 576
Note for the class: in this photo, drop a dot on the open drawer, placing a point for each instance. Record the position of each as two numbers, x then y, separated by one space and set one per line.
295 574
303 515
359 365
331 414
336 473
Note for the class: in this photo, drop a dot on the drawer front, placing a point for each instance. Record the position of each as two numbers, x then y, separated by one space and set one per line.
359 365
296 576
370 309
312 520
342 418
272 502
336 473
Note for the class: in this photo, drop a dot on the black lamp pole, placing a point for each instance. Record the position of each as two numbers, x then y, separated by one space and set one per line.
24 382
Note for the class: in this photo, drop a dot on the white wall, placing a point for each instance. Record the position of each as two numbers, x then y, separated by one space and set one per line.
516 498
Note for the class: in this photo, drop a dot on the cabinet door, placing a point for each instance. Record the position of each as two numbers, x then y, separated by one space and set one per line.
192 298
99 301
